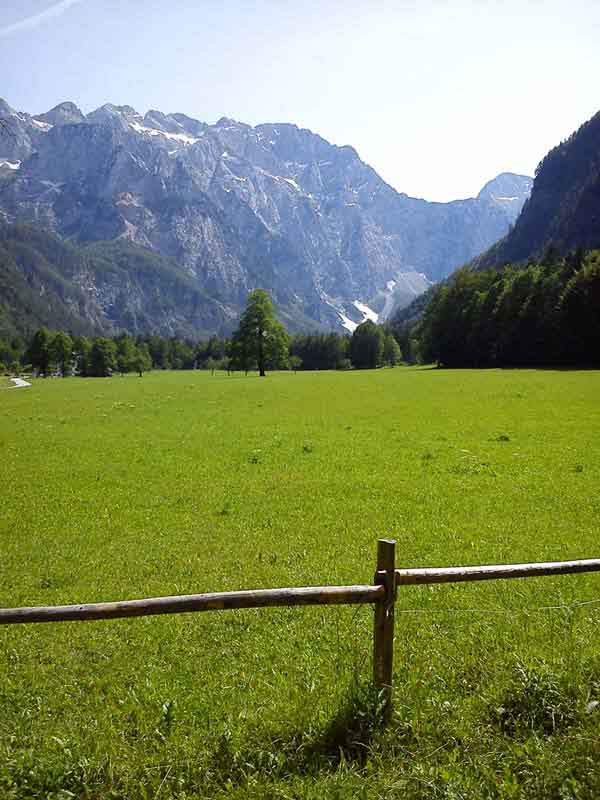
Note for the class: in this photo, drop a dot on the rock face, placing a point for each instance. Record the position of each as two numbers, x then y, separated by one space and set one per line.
62 114
507 190
238 207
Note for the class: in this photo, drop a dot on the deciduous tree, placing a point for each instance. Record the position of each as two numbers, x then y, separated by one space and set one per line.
82 348
392 354
141 360
103 358
260 339
61 351
127 354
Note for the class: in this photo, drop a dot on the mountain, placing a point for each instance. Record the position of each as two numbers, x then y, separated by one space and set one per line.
236 207
99 288
508 191
33 294
563 211
534 296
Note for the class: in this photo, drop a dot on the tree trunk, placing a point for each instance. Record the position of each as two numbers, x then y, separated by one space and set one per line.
261 353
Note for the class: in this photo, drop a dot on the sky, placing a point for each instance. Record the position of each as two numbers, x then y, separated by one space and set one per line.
438 97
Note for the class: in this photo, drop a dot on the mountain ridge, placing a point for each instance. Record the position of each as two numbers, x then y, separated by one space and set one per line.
563 210
238 207
559 222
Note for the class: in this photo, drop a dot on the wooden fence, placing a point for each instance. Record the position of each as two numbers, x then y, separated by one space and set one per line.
382 594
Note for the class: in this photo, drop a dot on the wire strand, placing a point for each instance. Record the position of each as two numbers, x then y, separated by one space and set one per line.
566 606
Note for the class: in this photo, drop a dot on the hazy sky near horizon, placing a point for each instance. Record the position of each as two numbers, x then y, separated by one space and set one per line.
437 96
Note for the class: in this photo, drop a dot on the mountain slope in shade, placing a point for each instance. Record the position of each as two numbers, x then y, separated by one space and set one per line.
103 287
563 211
238 207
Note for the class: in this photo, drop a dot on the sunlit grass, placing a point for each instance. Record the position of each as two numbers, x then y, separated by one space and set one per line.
187 482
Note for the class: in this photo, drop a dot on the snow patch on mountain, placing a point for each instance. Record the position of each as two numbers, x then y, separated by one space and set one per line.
293 183
43 126
367 312
238 206
344 319
176 137
347 322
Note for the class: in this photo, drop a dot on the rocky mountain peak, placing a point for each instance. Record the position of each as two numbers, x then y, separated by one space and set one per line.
507 187
226 122
238 207
115 117
63 114
5 109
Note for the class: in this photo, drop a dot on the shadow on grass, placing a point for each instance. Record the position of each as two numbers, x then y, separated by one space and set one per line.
346 738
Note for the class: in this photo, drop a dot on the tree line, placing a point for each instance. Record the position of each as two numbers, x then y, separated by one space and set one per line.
261 343
546 313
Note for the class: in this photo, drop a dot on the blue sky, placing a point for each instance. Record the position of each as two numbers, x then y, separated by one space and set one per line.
437 96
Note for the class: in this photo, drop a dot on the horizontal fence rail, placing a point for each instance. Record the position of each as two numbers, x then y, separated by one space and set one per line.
488 572
213 601
382 594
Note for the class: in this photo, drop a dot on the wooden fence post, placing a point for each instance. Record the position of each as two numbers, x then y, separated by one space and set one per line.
383 644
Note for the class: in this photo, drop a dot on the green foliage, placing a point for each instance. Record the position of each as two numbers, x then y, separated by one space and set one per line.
39 351
61 351
126 354
11 351
561 214
131 357
182 482
142 362
260 339
103 358
580 307
366 346
536 701
39 286
33 292
321 350
139 354
295 363
82 347
211 364
546 313
392 354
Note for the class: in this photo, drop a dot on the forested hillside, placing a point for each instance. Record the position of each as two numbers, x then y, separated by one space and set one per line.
102 287
534 297
547 313
563 210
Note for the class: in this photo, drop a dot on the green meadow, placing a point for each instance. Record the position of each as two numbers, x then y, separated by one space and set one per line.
183 482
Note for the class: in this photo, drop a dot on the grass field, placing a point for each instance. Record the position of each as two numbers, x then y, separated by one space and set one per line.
186 482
